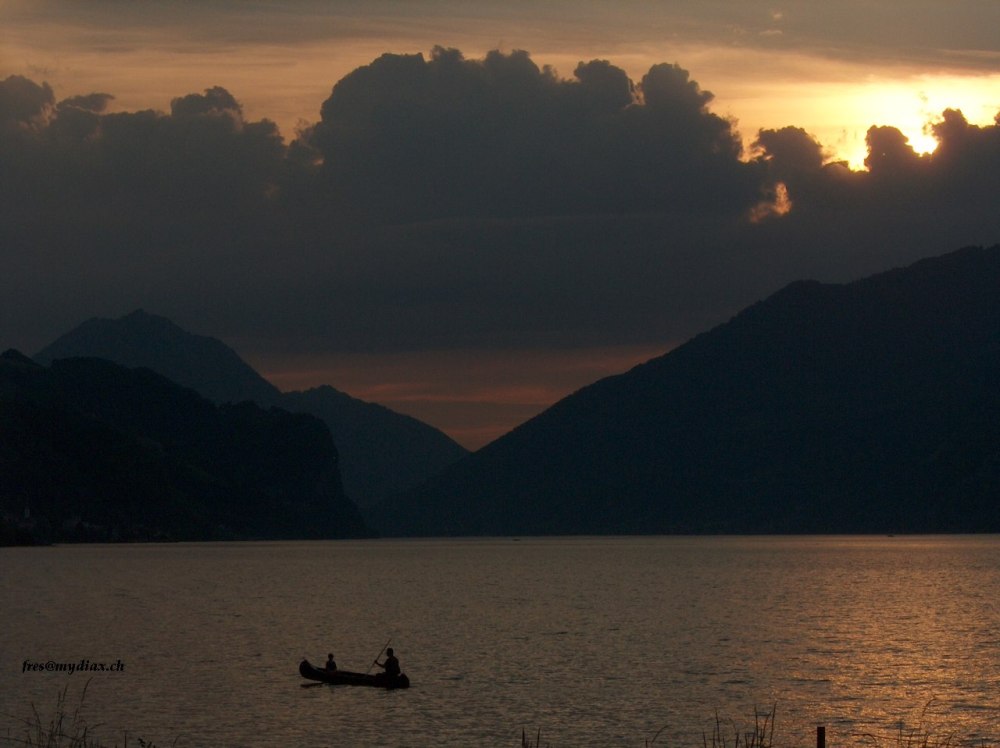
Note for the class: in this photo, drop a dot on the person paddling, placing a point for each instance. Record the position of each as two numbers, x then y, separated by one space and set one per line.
391 664
330 664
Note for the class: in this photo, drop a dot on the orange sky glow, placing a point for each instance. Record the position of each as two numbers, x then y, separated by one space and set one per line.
473 396
832 69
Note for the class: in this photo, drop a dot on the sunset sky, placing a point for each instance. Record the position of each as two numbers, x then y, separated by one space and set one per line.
470 235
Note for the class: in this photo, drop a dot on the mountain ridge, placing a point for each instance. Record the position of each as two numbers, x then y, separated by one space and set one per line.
141 339
823 408
382 452
94 451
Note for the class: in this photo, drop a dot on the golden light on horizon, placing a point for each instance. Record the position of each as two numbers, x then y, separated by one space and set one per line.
500 388
909 104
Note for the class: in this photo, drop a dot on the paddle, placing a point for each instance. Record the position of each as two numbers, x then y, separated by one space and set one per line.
375 661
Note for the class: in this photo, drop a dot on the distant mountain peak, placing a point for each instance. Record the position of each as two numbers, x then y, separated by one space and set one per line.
382 452
141 316
148 340
14 356
141 322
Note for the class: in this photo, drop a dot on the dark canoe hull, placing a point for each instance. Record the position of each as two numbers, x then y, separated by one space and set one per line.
347 678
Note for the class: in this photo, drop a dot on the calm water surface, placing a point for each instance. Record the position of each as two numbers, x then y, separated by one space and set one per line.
594 641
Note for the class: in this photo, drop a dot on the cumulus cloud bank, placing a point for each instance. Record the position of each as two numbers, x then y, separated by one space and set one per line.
455 203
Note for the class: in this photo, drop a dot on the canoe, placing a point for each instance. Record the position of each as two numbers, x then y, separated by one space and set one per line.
347 678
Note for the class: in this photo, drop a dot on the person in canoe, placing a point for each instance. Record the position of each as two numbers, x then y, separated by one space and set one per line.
330 664
391 664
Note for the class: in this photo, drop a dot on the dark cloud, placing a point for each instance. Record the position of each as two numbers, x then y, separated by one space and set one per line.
890 152
95 102
215 101
455 203
191 172
24 104
791 150
102 208
966 159
603 86
413 138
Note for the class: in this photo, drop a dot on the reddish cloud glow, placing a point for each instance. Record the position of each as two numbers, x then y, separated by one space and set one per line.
473 396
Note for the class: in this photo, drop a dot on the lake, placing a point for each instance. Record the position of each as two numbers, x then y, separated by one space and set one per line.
592 641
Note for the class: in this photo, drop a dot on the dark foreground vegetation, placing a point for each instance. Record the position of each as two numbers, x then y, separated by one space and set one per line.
760 734
68 728
63 729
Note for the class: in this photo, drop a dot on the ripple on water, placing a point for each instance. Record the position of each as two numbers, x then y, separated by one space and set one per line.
593 641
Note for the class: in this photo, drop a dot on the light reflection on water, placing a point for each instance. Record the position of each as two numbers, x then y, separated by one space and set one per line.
595 641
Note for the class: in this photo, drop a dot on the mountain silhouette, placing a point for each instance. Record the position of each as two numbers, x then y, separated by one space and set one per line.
94 451
382 452
388 452
871 406
140 339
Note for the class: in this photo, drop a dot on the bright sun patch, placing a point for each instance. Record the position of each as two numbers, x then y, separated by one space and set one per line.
912 105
